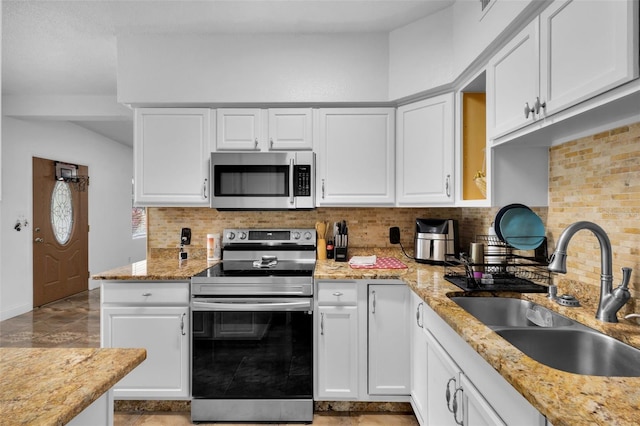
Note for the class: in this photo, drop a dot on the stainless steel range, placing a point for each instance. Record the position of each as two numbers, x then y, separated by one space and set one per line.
252 329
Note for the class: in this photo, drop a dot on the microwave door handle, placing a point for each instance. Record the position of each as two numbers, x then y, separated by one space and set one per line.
291 197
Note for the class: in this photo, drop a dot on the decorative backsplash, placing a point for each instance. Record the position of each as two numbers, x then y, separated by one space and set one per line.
595 178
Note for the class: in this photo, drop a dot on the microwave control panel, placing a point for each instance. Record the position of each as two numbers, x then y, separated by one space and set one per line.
302 180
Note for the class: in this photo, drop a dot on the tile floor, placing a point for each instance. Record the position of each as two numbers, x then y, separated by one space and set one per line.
75 322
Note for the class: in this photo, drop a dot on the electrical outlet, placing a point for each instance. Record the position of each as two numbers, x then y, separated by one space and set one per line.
185 236
394 235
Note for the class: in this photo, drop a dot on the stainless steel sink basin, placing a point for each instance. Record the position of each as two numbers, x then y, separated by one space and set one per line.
552 339
505 311
576 351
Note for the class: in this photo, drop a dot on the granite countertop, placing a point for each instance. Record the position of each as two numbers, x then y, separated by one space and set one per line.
51 386
564 398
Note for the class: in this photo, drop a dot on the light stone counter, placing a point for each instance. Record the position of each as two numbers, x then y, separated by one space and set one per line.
564 398
51 386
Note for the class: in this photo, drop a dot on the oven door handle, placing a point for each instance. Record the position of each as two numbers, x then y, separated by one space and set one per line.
304 305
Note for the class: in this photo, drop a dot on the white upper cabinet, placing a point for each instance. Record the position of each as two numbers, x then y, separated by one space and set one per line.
238 129
425 152
356 157
586 48
575 50
513 82
252 129
290 129
171 151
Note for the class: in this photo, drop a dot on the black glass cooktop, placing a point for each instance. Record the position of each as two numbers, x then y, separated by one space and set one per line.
247 269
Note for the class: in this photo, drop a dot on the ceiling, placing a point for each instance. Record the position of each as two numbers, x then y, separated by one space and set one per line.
59 47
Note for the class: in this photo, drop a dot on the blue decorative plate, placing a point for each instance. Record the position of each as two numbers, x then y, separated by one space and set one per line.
522 229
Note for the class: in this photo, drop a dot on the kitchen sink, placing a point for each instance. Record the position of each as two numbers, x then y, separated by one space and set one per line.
576 351
510 312
553 339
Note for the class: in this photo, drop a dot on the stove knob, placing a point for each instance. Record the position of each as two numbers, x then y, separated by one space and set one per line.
243 235
307 235
296 235
231 235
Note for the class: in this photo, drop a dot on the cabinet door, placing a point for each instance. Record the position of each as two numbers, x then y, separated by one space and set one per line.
337 349
290 129
164 333
171 151
356 157
587 47
418 359
239 129
477 410
513 80
388 340
443 383
424 153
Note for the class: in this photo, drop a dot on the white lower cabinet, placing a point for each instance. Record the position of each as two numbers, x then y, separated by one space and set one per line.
418 359
388 340
452 384
338 352
452 398
146 315
361 341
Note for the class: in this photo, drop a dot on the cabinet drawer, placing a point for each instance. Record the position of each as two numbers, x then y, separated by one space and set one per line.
146 293
338 293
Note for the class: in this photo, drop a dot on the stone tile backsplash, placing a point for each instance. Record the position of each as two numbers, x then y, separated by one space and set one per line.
595 178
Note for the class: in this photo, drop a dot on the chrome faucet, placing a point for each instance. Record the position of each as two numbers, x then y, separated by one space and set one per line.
610 300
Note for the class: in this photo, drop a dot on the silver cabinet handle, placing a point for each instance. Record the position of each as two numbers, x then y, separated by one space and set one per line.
337 294
146 294
421 325
537 105
373 293
39 240
182 324
256 143
271 142
322 324
204 189
291 182
455 407
323 189
448 185
528 110
447 393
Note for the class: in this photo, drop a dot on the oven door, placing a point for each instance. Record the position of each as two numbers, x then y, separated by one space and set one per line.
252 348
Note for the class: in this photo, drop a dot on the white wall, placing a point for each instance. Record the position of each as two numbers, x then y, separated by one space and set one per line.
421 55
110 168
252 68
474 31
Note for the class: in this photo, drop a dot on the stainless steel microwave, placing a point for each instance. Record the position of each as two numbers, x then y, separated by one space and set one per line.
262 180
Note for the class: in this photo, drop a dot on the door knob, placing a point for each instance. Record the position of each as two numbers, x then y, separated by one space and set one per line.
39 240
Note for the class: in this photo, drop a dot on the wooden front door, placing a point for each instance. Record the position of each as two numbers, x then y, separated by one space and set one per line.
60 235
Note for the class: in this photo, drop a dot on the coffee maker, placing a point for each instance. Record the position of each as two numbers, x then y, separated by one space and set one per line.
435 239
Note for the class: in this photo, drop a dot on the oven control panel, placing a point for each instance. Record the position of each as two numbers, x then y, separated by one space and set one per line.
297 236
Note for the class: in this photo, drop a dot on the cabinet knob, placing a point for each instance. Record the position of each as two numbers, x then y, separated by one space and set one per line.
271 142
337 294
256 143
537 106
528 110
146 294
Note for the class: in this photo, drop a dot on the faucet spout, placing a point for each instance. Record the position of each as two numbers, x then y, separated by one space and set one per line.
610 301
